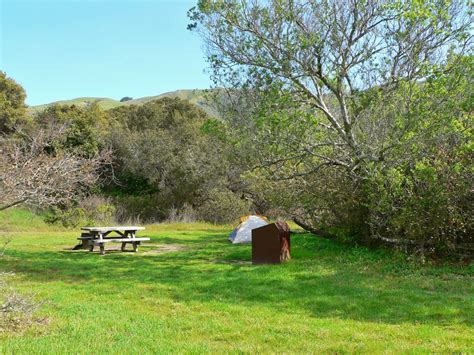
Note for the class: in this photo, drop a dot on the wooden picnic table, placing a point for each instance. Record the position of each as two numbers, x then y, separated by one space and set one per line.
99 236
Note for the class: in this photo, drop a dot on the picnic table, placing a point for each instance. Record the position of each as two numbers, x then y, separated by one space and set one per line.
99 236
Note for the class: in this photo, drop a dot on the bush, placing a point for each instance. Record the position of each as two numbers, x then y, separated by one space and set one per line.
17 312
142 208
90 211
166 161
428 207
186 214
222 207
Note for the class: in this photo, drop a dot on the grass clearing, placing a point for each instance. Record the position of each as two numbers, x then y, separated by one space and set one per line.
203 295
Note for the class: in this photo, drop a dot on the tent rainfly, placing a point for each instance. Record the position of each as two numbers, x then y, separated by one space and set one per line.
243 232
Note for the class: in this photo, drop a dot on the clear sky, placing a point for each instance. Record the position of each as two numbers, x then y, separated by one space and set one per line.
63 49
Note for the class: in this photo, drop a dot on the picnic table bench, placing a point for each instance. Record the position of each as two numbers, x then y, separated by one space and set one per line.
98 236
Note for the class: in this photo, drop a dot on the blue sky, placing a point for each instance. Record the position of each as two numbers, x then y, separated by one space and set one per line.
62 49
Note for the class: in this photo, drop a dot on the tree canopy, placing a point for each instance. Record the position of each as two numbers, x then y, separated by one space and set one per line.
12 104
350 106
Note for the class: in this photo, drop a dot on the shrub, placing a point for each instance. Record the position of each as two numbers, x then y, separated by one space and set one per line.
187 214
90 211
17 312
222 207
144 208
165 161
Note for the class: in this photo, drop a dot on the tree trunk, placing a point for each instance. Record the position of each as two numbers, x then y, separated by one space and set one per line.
12 204
318 232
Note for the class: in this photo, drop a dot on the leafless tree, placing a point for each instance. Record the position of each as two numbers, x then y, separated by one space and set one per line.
31 173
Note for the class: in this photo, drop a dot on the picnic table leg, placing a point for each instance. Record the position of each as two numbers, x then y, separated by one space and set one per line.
134 244
91 246
85 244
101 245
124 244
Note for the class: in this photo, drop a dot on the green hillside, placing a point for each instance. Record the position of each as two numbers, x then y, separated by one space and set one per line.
103 102
198 97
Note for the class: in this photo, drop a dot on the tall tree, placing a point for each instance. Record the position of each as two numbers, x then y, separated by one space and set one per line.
332 88
325 53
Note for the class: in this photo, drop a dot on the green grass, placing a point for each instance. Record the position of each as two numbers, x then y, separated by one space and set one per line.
209 298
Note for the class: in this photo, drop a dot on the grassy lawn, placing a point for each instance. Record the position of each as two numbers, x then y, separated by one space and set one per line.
189 290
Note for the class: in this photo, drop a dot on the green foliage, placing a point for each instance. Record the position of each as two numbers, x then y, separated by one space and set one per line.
416 191
12 104
85 127
70 218
222 207
166 156
130 184
199 98
357 116
142 206
424 191
169 150
90 211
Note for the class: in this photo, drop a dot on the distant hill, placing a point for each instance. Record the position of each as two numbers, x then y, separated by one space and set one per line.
198 97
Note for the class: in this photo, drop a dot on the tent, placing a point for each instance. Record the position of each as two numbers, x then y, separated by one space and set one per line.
243 232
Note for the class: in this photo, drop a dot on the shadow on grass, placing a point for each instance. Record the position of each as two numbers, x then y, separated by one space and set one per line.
323 279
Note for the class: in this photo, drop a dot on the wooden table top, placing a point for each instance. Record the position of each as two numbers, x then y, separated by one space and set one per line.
112 229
